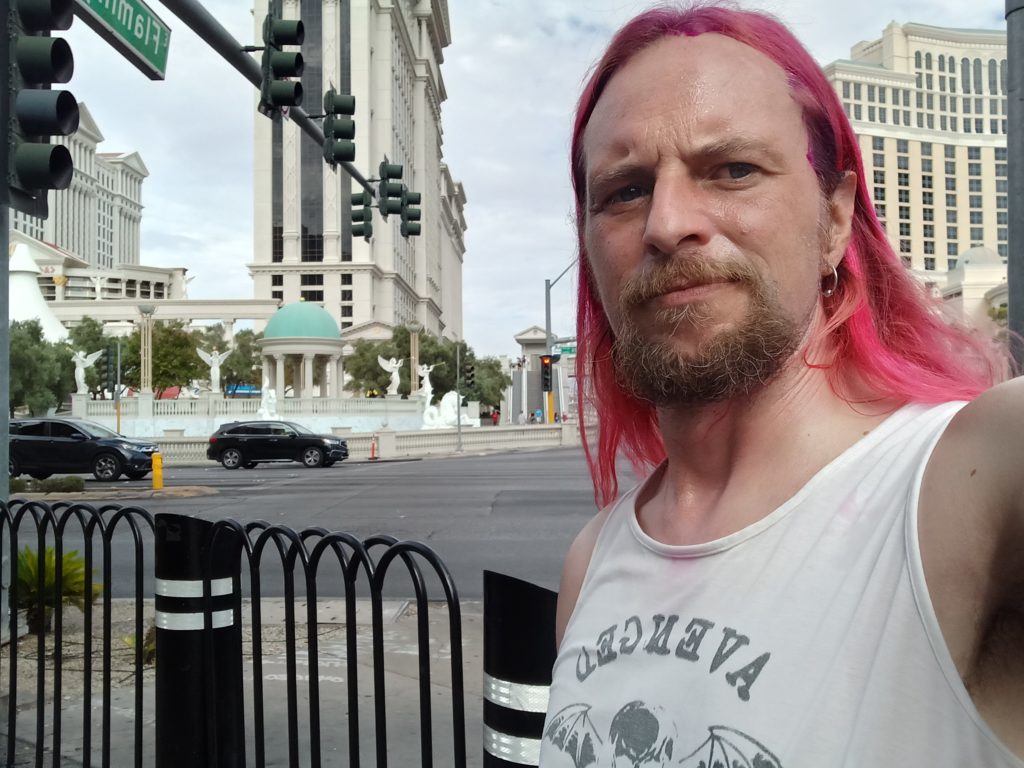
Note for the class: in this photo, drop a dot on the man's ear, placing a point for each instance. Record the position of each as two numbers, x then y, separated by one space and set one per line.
840 222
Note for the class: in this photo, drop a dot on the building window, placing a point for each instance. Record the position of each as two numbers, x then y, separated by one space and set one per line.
1001 187
880 210
1000 154
856 91
926 182
974 185
846 89
278 295
951 183
903 163
951 202
977 217
977 235
346 279
950 263
928 230
928 214
905 213
877 143
1001 234
313 296
904 246
952 250
902 146
1001 170
346 295
951 233
346 311
879 193
950 152
950 168
926 165
904 229
1004 250
871 114
879 177
974 153
904 195
903 179
929 261
871 93
917 59
346 324
311 280
277 280
856 112
1002 218
879 159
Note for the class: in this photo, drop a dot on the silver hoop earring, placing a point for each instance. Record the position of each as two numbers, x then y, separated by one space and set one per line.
828 292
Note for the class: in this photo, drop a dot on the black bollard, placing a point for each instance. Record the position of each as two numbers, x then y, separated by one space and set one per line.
199 697
519 652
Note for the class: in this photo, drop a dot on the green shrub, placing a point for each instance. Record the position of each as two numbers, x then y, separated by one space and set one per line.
39 608
66 484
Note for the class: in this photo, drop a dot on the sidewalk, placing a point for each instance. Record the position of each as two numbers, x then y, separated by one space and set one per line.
401 688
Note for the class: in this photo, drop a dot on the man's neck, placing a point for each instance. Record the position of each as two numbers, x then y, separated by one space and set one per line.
732 463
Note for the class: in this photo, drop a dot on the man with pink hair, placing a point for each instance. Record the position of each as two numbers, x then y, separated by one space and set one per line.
825 563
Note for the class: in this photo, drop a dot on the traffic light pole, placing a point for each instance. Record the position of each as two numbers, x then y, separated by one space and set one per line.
5 341
200 21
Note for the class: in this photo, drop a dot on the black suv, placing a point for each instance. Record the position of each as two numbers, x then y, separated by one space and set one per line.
248 443
41 447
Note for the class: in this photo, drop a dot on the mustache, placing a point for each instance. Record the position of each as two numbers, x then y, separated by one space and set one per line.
684 271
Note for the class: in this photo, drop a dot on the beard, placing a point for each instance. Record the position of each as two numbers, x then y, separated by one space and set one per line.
732 363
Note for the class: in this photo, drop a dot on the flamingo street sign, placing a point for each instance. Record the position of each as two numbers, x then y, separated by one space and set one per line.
133 29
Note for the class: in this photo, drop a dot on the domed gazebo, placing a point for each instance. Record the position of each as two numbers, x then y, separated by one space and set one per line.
305 336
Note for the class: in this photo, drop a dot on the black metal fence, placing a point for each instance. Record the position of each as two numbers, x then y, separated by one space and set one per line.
83 694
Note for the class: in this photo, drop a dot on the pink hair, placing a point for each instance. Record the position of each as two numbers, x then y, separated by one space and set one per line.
880 321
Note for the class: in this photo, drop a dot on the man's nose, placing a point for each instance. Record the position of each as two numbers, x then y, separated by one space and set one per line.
679 215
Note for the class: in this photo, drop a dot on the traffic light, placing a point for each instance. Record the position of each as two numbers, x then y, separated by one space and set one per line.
103 368
32 165
339 127
390 189
410 216
109 359
469 374
545 373
276 90
362 215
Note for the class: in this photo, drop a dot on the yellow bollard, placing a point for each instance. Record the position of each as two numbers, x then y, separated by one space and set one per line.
158 471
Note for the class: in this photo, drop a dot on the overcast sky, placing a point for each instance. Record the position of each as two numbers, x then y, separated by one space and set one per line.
512 73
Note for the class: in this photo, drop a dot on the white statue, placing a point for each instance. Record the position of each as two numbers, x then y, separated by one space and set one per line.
426 388
268 401
391 366
213 359
83 361
445 414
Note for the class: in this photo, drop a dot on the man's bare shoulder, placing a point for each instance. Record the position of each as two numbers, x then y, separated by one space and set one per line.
577 560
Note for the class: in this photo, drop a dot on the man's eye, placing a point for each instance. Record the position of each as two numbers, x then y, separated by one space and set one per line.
626 194
737 171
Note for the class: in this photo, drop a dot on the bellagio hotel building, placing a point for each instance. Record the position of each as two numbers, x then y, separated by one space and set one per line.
929 107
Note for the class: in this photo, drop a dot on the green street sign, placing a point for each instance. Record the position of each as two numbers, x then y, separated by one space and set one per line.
133 29
564 349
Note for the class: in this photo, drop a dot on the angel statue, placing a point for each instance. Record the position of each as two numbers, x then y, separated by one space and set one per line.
83 361
391 366
426 388
213 359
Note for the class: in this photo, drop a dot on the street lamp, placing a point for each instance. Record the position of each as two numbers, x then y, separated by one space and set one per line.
549 397
414 327
146 347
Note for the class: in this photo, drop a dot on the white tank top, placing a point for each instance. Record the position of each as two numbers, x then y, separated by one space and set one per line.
805 640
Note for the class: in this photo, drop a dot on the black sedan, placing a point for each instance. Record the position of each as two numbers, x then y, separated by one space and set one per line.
41 447
248 443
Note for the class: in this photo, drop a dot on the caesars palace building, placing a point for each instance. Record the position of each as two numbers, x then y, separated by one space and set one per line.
928 105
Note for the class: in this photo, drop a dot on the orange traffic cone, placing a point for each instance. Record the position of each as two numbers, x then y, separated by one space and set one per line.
373 447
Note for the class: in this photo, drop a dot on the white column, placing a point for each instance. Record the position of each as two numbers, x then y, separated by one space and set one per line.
280 361
307 375
336 373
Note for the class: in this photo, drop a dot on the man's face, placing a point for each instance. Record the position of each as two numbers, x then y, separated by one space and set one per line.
705 229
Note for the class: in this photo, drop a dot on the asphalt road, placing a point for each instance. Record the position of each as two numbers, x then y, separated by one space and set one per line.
512 512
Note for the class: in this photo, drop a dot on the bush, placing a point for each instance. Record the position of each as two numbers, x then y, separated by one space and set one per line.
39 607
67 484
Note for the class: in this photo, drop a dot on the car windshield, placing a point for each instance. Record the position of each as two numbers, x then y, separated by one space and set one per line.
92 429
299 428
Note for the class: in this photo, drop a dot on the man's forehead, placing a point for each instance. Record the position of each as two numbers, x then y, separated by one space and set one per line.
707 76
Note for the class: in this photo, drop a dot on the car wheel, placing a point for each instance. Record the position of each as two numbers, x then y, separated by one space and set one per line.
106 467
13 467
312 457
41 475
231 458
137 474
249 465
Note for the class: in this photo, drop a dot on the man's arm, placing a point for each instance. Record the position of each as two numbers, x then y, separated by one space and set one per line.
575 568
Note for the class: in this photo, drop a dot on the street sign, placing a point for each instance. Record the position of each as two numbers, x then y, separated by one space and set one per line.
563 349
133 29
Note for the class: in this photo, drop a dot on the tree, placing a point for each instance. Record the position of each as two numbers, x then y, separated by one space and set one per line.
367 375
40 373
175 362
88 337
242 366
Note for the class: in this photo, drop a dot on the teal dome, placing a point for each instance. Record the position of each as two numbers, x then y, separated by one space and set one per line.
302 319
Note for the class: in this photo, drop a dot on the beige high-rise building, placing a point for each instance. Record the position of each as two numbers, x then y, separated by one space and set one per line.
929 107
388 54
